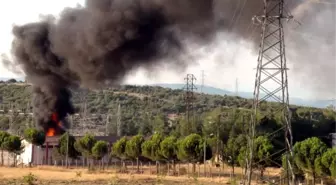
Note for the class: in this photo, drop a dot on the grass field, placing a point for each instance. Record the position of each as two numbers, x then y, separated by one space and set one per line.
60 176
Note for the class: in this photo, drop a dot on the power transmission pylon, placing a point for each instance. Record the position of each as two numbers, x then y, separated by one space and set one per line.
271 68
189 98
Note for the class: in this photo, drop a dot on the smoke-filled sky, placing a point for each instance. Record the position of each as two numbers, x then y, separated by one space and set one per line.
310 48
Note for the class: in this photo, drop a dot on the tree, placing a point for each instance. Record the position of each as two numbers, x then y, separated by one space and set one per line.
151 149
34 136
160 125
12 80
262 150
100 149
66 145
296 170
146 149
3 137
84 145
13 144
119 149
192 149
307 154
168 149
326 165
133 148
232 150
181 155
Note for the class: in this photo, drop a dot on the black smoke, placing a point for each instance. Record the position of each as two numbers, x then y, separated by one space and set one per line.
99 43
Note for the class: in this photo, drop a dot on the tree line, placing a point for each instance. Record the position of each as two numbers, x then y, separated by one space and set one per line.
156 148
312 156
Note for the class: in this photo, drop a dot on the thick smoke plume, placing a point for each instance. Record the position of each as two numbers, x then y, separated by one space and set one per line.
99 43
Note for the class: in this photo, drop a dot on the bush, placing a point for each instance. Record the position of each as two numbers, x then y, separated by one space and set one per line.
183 171
29 179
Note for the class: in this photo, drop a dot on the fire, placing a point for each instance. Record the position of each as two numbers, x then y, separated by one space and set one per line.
51 132
54 117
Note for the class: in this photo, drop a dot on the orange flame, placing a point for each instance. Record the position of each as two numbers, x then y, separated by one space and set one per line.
51 132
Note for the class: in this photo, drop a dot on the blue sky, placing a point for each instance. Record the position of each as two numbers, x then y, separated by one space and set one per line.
235 58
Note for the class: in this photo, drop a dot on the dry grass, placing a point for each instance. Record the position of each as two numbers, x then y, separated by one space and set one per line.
58 176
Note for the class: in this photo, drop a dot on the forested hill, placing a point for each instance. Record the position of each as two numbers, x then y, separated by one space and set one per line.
145 109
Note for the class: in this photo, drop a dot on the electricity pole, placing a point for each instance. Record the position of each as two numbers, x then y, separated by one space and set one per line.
119 121
271 80
67 151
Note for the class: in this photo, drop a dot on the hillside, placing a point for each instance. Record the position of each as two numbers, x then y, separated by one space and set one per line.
217 91
319 103
145 109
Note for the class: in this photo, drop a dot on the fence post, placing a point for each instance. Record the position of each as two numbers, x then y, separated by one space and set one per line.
178 170
199 169
150 168
142 170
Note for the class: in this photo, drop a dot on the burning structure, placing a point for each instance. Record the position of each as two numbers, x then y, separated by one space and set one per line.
55 126
99 43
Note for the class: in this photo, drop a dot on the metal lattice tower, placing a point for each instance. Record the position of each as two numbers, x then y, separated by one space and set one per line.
189 97
271 80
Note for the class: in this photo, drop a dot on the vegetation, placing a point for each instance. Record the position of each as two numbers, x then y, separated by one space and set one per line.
133 148
119 150
34 136
3 138
263 150
100 149
29 179
307 153
328 163
13 145
157 114
84 145
169 149
232 150
66 145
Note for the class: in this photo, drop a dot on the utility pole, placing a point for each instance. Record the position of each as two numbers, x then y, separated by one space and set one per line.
67 151
189 98
271 68
107 125
119 121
